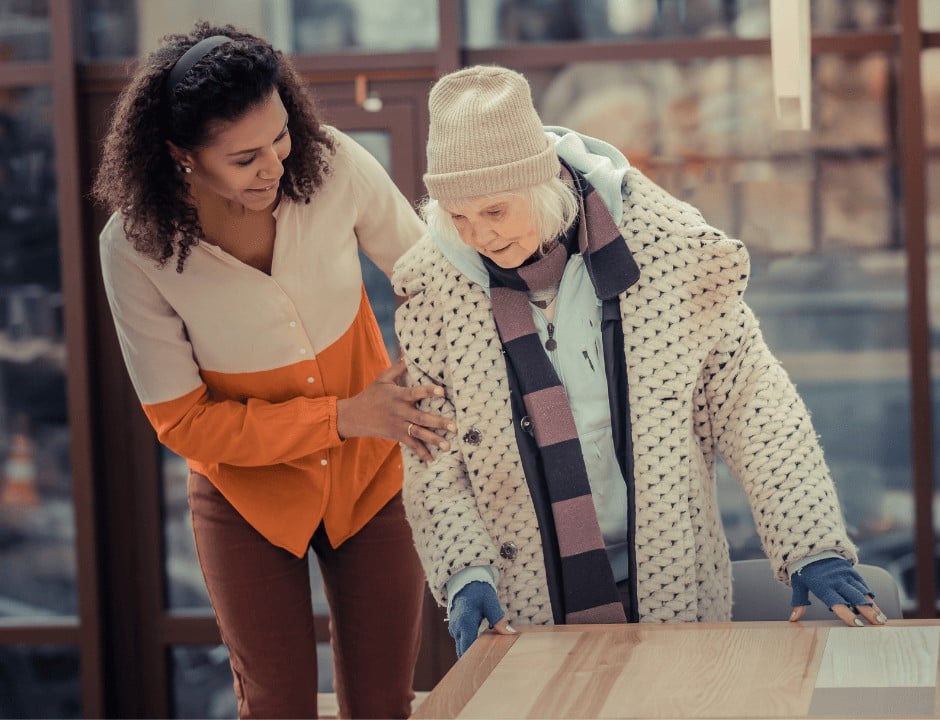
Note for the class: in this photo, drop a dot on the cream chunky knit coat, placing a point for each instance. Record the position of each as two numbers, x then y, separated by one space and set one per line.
701 382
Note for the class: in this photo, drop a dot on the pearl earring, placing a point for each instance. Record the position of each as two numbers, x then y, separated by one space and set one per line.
187 169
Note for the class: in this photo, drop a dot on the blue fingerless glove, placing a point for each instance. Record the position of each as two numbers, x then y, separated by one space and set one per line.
833 581
475 601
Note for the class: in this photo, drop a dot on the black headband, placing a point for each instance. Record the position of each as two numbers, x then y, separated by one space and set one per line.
189 58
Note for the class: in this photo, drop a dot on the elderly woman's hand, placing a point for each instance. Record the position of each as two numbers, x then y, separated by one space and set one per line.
836 583
386 409
474 602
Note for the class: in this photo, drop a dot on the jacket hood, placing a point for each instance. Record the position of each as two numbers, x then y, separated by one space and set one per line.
602 164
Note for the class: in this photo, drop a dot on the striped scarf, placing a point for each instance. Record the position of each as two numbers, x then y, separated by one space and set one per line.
588 588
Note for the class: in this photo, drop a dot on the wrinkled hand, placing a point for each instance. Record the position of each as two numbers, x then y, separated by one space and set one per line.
386 409
475 601
836 583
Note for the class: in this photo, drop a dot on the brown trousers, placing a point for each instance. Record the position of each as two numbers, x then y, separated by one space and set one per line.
261 596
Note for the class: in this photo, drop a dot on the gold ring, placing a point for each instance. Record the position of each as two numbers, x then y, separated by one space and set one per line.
410 428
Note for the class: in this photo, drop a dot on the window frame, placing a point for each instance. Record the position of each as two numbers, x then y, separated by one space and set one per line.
123 631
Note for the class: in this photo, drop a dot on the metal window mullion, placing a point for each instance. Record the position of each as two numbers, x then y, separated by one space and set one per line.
74 271
914 212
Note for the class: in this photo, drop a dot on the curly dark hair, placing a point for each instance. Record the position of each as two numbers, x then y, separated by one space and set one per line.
137 175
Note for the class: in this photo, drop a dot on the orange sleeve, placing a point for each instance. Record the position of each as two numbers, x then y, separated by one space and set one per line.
253 433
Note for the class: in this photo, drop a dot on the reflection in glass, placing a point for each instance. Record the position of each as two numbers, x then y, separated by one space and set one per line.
202 680
387 26
489 23
378 287
37 526
123 29
185 587
24 30
816 212
39 682
109 29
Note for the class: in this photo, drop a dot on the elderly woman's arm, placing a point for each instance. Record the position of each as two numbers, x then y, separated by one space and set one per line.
458 555
441 506
763 431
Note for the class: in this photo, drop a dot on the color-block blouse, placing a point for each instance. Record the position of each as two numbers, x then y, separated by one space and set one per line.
239 371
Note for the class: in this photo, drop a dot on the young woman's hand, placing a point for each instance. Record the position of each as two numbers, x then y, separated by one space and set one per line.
386 409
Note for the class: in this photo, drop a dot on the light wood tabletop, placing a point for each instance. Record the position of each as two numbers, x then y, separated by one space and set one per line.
696 670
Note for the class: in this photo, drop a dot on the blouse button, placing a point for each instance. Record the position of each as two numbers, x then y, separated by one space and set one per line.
293 323
303 351
310 380
323 461
508 550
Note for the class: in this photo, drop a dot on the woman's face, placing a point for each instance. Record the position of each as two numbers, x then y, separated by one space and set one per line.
501 227
244 160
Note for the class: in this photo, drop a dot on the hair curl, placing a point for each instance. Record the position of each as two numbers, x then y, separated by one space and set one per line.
137 175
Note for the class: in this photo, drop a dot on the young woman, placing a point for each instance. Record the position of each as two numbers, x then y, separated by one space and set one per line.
231 266
597 355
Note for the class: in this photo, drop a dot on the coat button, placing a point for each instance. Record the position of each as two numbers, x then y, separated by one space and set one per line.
473 436
526 424
508 550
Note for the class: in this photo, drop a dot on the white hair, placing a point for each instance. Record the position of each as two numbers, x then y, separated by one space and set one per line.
554 207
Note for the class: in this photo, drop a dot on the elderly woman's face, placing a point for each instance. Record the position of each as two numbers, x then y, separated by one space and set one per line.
501 227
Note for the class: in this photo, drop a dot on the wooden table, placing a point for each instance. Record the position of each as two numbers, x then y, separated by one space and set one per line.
696 670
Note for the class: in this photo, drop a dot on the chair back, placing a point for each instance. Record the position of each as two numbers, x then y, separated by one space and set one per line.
758 595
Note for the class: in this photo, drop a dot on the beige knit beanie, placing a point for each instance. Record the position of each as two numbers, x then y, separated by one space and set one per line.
485 136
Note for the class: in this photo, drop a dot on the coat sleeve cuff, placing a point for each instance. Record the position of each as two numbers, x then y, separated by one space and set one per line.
798 565
474 573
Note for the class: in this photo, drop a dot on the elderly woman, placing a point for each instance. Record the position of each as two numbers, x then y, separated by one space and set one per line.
597 357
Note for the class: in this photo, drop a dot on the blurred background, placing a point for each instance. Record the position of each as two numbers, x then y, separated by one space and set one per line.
103 611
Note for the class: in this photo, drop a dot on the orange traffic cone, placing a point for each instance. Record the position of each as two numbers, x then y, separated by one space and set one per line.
19 474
